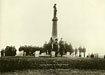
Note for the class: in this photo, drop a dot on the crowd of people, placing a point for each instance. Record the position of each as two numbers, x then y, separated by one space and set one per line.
57 47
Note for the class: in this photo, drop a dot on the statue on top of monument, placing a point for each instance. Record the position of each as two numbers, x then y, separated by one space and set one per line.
55 10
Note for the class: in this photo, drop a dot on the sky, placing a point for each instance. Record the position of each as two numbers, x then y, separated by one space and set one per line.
29 22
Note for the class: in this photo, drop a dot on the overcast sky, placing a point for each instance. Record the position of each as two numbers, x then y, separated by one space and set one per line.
29 22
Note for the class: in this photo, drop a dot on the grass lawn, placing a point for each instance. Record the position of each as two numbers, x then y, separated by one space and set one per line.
56 72
51 66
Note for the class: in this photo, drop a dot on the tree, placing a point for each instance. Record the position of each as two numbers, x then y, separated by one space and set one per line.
80 51
45 47
24 49
76 50
92 55
70 49
84 51
66 47
10 51
28 49
41 49
2 52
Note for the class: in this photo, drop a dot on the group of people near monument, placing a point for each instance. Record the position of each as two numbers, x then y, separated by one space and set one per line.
53 45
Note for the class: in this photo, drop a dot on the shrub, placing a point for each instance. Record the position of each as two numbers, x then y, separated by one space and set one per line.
10 51
92 55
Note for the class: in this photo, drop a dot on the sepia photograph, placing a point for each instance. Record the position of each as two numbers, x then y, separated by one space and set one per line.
52 37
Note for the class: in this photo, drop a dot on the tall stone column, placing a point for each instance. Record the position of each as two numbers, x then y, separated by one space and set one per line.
54 24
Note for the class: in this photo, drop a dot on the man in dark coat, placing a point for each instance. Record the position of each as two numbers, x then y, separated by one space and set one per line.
55 47
50 46
61 47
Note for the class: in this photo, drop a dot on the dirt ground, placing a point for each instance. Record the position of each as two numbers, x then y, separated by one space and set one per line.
56 72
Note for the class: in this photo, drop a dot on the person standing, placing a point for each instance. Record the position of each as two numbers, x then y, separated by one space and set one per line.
61 47
55 47
50 46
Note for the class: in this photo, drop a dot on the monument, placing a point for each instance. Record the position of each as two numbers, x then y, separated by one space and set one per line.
54 24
